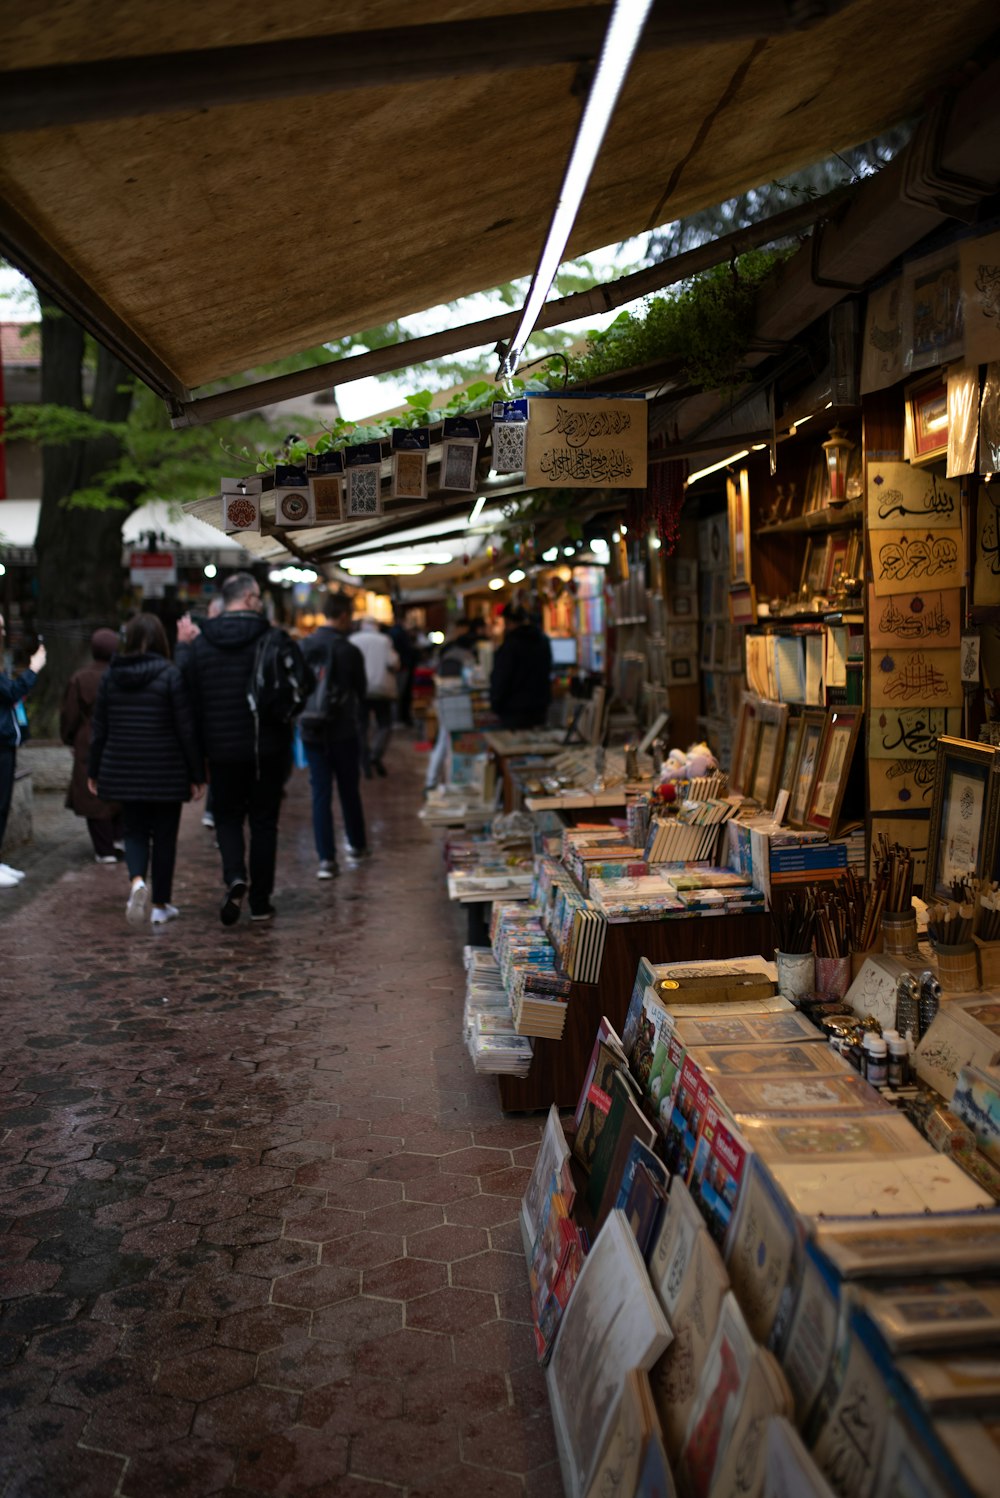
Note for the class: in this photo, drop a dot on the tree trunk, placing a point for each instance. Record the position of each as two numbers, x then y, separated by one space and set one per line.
80 577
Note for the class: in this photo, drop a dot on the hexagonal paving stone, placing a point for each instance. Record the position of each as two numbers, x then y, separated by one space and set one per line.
404 1279
323 1226
483 1211
352 1405
451 1310
305 1364
446 1243
492 1271
268 1326
188 1466
294 1462
477 1162
404 1167
440 1188
231 1292
405 1217
204 1373
403 1354
315 1288
513 1182
513 1440
460 1481
453 1391
395 1449
500 1344
437 1141
353 1323
246 1417
280 1256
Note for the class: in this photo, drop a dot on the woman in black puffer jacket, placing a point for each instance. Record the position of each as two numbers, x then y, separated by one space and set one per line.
144 752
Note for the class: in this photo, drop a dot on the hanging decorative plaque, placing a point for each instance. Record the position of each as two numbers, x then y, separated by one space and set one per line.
241 505
326 484
409 462
459 453
510 425
364 481
587 442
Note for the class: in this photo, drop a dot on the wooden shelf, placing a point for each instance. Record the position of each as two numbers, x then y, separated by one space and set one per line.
841 518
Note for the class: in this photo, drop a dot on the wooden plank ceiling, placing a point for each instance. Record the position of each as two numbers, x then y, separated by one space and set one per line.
212 237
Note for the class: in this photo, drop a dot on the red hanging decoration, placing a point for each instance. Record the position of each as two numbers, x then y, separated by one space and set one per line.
659 507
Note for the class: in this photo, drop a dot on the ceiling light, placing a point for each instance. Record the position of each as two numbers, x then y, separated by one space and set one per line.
656 543
569 551
616 536
551 555
758 447
280 575
210 569
436 637
801 421
477 509
599 545
385 561
624 530
693 478
517 576
495 583
620 42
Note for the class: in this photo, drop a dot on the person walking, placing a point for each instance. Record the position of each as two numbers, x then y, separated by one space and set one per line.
402 644
189 629
331 734
381 666
249 755
104 818
13 690
144 752
521 682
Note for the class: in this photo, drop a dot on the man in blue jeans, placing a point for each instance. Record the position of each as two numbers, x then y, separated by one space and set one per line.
331 734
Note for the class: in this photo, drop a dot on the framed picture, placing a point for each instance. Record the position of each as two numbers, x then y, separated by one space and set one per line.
814 565
962 840
835 561
927 419
793 737
744 746
743 606
773 719
807 754
833 766
738 502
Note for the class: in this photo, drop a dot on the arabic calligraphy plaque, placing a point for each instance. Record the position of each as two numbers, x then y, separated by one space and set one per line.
910 678
980 273
901 784
931 620
986 548
910 732
586 444
899 495
906 560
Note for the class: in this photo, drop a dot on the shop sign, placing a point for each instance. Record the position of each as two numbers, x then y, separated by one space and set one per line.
152 571
586 442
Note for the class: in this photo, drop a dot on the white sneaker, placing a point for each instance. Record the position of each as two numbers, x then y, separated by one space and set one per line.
105 858
7 881
162 914
16 874
137 906
207 819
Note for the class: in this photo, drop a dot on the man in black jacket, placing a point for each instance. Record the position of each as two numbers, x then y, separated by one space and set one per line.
520 686
332 738
248 761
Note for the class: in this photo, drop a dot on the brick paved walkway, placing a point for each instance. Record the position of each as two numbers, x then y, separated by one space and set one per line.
257 1212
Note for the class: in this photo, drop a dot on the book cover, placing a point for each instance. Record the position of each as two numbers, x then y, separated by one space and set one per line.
619 1469
827 1138
717 1172
721 1386
974 1448
595 1097
673 1247
640 1154
896 1187
934 1313
747 1030
954 1385
765 1060
952 1041
612 1323
552 1161
763 1254
976 1101
644 1205
766 1397
790 1471
686 1118
808 1348
851 1417
946 1243
625 1123
798 1095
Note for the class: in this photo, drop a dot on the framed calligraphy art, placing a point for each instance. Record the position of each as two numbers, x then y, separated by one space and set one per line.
793 737
901 784
899 494
586 442
738 503
810 738
910 732
910 678
745 746
931 620
927 420
770 743
906 561
962 838
986 548
833 768
743 606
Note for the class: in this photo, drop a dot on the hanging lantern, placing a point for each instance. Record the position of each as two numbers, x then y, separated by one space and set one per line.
838 448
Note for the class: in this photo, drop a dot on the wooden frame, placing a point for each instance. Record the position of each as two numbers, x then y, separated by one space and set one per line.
738 507
838 547
773 720
963 838
833 768
806 758
743 605
793 738
744 746
814 565
927 419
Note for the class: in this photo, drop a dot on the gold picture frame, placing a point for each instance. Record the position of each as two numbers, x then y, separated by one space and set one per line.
963 838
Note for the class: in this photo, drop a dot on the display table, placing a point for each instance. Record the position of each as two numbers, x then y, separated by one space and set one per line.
506 745
558 1065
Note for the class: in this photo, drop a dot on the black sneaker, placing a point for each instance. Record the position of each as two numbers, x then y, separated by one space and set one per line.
229 912
380 768
267 914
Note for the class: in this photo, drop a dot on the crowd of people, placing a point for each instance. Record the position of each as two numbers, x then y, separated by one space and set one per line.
150 733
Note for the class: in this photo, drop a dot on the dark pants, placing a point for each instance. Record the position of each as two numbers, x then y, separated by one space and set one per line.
240 794
404 703
341 762
375 745
152 825
8 764
104 833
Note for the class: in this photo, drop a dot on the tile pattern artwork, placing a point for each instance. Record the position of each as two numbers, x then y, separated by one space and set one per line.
258 1214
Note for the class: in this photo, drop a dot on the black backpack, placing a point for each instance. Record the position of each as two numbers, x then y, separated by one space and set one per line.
330 700
280 680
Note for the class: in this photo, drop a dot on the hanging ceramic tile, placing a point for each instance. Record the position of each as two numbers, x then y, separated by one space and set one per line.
459 453
409 462
241 505
293 506
364 481
510 427
326 484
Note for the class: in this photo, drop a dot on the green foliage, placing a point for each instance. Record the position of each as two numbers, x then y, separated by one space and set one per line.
706 326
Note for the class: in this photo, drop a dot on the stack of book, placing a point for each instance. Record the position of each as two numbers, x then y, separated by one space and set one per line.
488 1022
694 834
535 988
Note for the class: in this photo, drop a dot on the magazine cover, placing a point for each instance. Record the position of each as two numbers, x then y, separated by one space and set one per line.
763 1254
824 1138
808 1348
897 1187
949 1243
552 1160
721 1388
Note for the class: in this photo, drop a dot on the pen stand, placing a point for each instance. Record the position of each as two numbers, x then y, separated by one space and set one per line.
958 967
899 932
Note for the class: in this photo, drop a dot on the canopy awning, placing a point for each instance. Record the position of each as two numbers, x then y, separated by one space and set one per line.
210 186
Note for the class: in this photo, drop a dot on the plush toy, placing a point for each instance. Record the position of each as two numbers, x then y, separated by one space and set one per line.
699 760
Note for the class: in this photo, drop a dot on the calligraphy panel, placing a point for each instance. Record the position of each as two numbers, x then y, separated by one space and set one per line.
986 548
980 271
915 558
901 495
910 732
901 784
933 620
577 443
914 678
